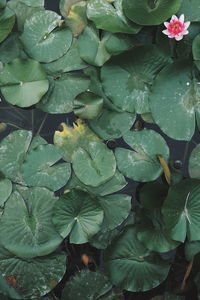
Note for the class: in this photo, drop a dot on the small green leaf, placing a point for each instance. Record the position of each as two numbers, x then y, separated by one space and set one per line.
7 21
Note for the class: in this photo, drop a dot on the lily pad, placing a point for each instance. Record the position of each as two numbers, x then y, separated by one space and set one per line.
141 163
181 211
23 82
76 18
191 10
33 3
11 49
61 93
39 168
126 79
150 12
33 234
7 21
131 266
109 16
191 249
95 165
5 190
194 163
79 215
50 41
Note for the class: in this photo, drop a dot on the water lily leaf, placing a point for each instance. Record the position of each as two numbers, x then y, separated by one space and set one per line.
5 190
76 18
13 149
7 289
196 50
173 91
116 183
98 287
112 125
116 209
181 210
7 21
33 3
94 165
31 211
61 93
71 138
103 238
65 6
194 163
50 40
129 265
109 16
141 163
191 249
2 3
79 214
36 142
70 61
191 10
33 277
126 79
150 12
88 105
91 48
23 82
119 42
39 168
11 49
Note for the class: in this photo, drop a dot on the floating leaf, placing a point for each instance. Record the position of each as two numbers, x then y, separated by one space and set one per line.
181 210
61 93
109 16
78 213
191 249
150 12
23 82
191 10
5 190
95 165
39 168
129 265
103 238
33 234
119 42
194 163
141 163
76 18
33 3
71 138
7 21
87 105
50 41
11 49
126 79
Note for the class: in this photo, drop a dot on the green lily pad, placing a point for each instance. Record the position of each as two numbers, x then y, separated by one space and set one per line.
33 277
141 163
70 61
119 42
23 82
50 41
7 21
173 92
181 210
76 18
2 3
79 215
33 3
71 138
131 266
39 168
112 125
65 6
116 183
103 238
95 165
11 49
109 16
91 48
126 79
5 190
13 149
88 105
150 12
191 249
31 212
61 93
191 10
194 163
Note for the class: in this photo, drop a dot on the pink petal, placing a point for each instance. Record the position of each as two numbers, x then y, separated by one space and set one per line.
185 32
166 24
174 18
182 18
178 38
187 24
165 32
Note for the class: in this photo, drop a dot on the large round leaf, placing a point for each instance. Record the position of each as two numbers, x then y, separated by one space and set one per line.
109 16
33 3
78 213
150 12
35 277
191 10
61 93
129 265
26 227
141 163
181 210
44 38
39 168
126 79
110 124
7 21
13 149
194 163
173 92
70 139
5 190
11 48
94 166
23 82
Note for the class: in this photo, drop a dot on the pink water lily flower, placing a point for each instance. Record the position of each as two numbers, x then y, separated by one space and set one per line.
176 28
